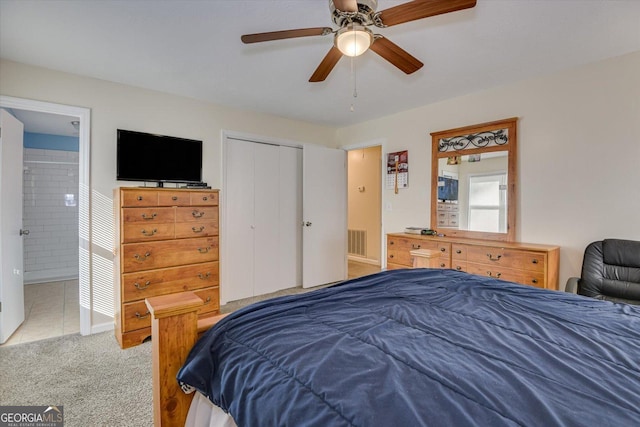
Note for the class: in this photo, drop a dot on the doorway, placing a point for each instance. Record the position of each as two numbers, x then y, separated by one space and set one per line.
364 193
55 277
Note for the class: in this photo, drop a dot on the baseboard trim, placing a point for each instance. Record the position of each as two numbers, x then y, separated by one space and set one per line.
364 260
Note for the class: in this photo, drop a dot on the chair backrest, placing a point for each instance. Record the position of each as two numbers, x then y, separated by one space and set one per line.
611 271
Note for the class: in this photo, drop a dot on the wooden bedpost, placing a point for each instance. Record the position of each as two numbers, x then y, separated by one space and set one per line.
174 331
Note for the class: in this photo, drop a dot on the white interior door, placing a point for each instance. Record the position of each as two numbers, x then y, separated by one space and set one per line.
239 225
266 277
324 214
11 262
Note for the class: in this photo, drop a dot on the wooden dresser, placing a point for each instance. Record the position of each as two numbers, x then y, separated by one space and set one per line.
529 264
167 242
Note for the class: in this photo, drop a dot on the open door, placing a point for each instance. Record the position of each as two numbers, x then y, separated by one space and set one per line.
324 213
11 274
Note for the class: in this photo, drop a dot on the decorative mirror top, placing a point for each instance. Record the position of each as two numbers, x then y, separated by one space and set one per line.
499 137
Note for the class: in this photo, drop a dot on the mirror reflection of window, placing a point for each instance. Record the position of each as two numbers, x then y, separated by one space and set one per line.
488 202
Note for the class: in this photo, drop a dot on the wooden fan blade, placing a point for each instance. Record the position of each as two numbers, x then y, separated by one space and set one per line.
346 5
419 9
326 65
396 55
285 34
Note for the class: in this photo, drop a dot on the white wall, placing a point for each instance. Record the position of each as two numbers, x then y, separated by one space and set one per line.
116 106
579 154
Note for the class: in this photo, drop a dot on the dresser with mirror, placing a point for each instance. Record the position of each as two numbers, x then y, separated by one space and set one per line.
474 191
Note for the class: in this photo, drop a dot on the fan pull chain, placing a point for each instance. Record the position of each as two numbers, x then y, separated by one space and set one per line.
353 79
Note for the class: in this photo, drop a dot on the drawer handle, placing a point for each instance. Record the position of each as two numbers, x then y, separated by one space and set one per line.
139 198
458 251
149 233
414 246
204 250
392 242
443 249
208 300
491 274
534 281
492 258
535 261
142 316
204 199
458 268
152 216
197 230
204 276
197 214
174 198
142 257
140 287
390 256
442 265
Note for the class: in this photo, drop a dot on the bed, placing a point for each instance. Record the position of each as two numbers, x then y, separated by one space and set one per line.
411 347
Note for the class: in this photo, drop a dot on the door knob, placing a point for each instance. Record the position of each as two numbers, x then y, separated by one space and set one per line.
24 232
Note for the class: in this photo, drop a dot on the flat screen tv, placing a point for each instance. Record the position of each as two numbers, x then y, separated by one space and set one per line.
447 189
158 158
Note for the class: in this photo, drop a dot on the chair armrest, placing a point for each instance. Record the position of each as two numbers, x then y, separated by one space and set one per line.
572 285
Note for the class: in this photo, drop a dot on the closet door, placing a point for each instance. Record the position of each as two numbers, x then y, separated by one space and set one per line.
266 219
263 211
239 226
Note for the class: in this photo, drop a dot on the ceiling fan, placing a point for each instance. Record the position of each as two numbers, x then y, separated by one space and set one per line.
353 38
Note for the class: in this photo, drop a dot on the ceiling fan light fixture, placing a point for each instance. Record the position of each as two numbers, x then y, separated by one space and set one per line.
353 40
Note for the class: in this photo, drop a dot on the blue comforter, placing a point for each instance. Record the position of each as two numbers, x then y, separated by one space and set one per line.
424 348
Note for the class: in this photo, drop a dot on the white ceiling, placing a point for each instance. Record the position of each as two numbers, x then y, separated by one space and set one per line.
193 48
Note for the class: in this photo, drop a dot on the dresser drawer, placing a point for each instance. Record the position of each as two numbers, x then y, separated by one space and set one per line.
495 271
137 197
147 256
533 261
495 256
211 299
148 215
144 284
173 198
135 316
204 198
196 214
196 229
141 232
458 252
533 278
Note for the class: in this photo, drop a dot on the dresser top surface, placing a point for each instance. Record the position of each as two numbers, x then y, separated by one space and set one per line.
478 242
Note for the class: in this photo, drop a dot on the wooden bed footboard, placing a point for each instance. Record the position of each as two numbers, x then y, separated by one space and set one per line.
174 330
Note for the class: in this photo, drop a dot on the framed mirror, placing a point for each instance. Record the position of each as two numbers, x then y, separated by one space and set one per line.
473 181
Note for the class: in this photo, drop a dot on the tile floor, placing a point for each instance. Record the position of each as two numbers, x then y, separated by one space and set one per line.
50 310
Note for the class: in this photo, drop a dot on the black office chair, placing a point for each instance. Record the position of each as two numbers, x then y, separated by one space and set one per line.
610 271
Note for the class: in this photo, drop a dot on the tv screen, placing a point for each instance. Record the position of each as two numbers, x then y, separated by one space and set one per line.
158 158
447 188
